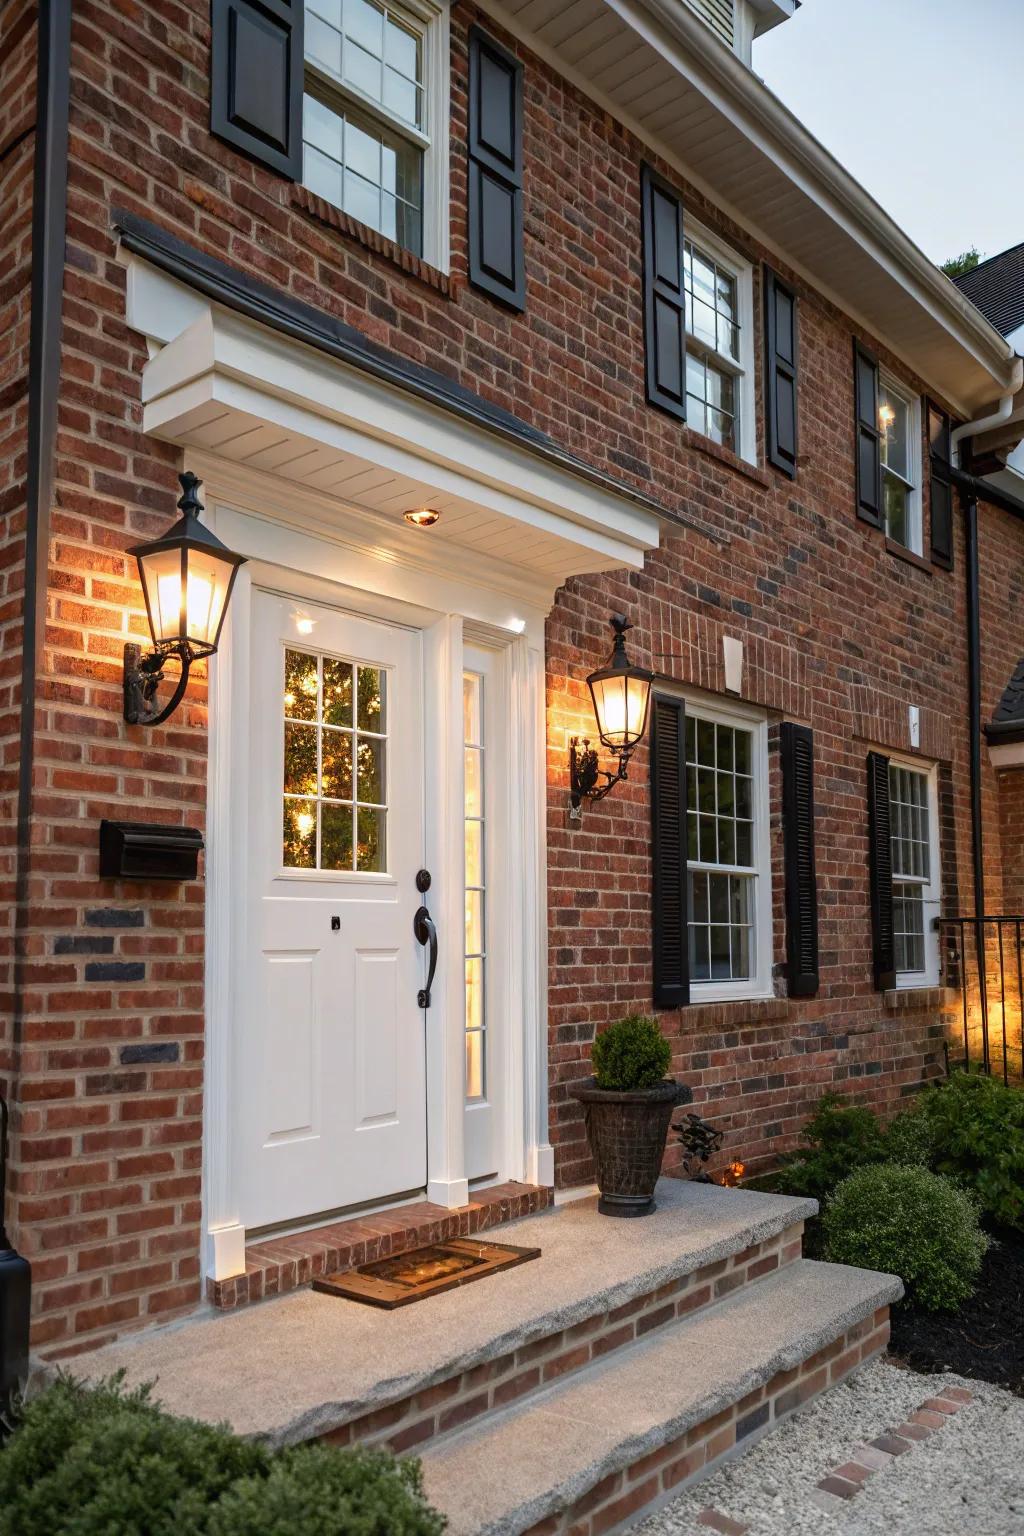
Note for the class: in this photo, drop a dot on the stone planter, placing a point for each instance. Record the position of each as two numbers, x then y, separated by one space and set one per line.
627 1134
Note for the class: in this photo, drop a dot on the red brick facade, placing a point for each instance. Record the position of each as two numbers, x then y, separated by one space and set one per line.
840 632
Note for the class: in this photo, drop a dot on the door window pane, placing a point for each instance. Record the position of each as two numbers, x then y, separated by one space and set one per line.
335 777
476 892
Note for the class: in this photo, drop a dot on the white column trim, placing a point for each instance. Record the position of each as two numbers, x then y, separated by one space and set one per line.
529 725
447 1183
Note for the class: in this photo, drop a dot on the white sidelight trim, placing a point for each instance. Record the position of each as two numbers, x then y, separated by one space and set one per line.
444 788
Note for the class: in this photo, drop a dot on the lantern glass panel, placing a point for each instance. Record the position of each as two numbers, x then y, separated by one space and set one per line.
620 702
206 585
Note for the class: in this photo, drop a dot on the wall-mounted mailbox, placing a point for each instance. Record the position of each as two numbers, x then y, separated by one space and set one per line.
139 850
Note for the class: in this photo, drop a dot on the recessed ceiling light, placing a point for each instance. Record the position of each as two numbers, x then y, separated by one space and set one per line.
422 517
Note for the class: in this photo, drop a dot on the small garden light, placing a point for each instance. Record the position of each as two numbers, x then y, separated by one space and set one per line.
186 578
621 694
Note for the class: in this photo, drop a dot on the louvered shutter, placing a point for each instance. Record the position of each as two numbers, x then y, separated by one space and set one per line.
941 488
664 298
495 203
780 372
668 852
797 743
869 460
879 834
256 87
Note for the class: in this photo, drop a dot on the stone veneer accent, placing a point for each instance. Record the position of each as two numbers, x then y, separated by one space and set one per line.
274 1265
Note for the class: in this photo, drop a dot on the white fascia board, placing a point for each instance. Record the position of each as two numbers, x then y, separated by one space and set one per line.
1006 754
746 102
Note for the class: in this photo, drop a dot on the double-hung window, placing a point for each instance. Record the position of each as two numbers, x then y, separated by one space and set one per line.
375 110
899 426
718 315
913 824
728 864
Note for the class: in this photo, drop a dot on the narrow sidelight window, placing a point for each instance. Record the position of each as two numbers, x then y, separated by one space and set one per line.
474 749
915 892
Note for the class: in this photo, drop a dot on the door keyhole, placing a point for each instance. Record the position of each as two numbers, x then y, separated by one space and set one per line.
335 924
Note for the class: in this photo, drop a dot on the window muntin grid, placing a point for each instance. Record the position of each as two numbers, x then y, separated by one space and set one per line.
364 81
895 426
711 299
910 838
334 786
720 850
476 889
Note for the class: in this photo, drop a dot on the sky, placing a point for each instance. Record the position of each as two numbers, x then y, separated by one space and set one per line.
922 101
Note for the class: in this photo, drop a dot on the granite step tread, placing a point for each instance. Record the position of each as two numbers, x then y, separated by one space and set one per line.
550 1452
304 1364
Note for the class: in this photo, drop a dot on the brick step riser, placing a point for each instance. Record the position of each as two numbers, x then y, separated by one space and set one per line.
623 1497
411 1422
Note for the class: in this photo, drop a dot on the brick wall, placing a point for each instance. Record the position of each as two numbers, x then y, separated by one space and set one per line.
838 631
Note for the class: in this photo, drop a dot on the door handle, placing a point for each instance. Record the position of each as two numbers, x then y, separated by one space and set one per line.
426 933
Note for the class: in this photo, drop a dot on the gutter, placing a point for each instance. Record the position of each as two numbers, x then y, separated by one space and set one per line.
755 109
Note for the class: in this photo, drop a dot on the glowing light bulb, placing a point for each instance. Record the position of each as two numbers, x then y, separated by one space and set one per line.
422 517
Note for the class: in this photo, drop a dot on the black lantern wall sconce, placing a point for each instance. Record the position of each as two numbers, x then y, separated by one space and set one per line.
187 577
621 695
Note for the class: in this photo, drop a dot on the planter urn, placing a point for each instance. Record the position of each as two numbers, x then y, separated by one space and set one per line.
627 1132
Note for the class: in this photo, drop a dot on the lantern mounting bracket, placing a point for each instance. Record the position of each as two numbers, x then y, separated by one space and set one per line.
584 774
142 677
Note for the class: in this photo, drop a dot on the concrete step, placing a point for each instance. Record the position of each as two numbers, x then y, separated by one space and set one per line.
308 1366
594 1452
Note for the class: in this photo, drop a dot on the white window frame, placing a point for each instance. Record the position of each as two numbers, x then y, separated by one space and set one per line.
915 521
758 985
743 371
430 19
930 976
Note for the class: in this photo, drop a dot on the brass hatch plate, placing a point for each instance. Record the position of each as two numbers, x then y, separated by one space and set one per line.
406 1277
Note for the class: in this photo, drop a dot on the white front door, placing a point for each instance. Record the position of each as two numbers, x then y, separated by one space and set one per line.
330 1043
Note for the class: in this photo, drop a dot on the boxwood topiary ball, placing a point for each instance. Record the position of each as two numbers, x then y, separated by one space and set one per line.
631 1054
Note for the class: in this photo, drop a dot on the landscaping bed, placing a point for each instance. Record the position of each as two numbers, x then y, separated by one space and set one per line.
985 1338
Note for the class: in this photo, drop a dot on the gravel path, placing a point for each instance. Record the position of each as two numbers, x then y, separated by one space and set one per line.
967 1479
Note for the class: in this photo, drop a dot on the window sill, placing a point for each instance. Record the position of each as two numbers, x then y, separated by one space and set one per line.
371 240
725 457
897 998
901 552
733 1014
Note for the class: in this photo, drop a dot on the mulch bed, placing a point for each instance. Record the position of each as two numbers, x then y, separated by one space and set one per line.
985 1339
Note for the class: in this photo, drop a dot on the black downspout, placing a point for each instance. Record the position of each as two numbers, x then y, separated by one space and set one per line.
49 225
970 506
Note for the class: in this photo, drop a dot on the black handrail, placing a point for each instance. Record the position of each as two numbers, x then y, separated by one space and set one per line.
989 973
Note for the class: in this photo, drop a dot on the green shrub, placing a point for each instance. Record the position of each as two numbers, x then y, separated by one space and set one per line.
910 1223
838 1138
910 1139
977 1134
314 1491
102 1461
631 1054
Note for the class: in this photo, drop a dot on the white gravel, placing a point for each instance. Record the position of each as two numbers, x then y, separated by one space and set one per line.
966 1480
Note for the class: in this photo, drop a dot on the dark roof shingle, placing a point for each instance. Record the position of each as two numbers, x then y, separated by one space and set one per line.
996 287
1007 724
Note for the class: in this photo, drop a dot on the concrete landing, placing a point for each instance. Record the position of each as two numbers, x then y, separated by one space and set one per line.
540 1459
301 1365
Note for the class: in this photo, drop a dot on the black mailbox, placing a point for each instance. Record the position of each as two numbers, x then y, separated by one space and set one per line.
139 850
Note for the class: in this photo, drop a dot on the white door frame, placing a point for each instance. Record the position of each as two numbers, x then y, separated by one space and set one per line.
282 558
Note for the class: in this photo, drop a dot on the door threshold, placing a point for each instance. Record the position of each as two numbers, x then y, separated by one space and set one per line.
280 1263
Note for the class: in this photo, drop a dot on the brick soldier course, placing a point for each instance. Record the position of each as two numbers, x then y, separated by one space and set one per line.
102 1050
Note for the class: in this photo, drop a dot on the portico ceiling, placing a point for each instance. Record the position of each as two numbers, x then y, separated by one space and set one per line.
228 387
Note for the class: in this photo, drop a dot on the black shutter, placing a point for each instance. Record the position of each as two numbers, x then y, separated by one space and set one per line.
797 742
869 460
780 372
941 488
496 258
664 300
256 90
879 834
668 852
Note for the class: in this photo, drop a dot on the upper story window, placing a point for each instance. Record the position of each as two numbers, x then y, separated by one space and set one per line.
718 314
899 427
375 115
728 865
915 873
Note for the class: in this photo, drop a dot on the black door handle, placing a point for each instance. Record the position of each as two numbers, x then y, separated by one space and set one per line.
426 933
